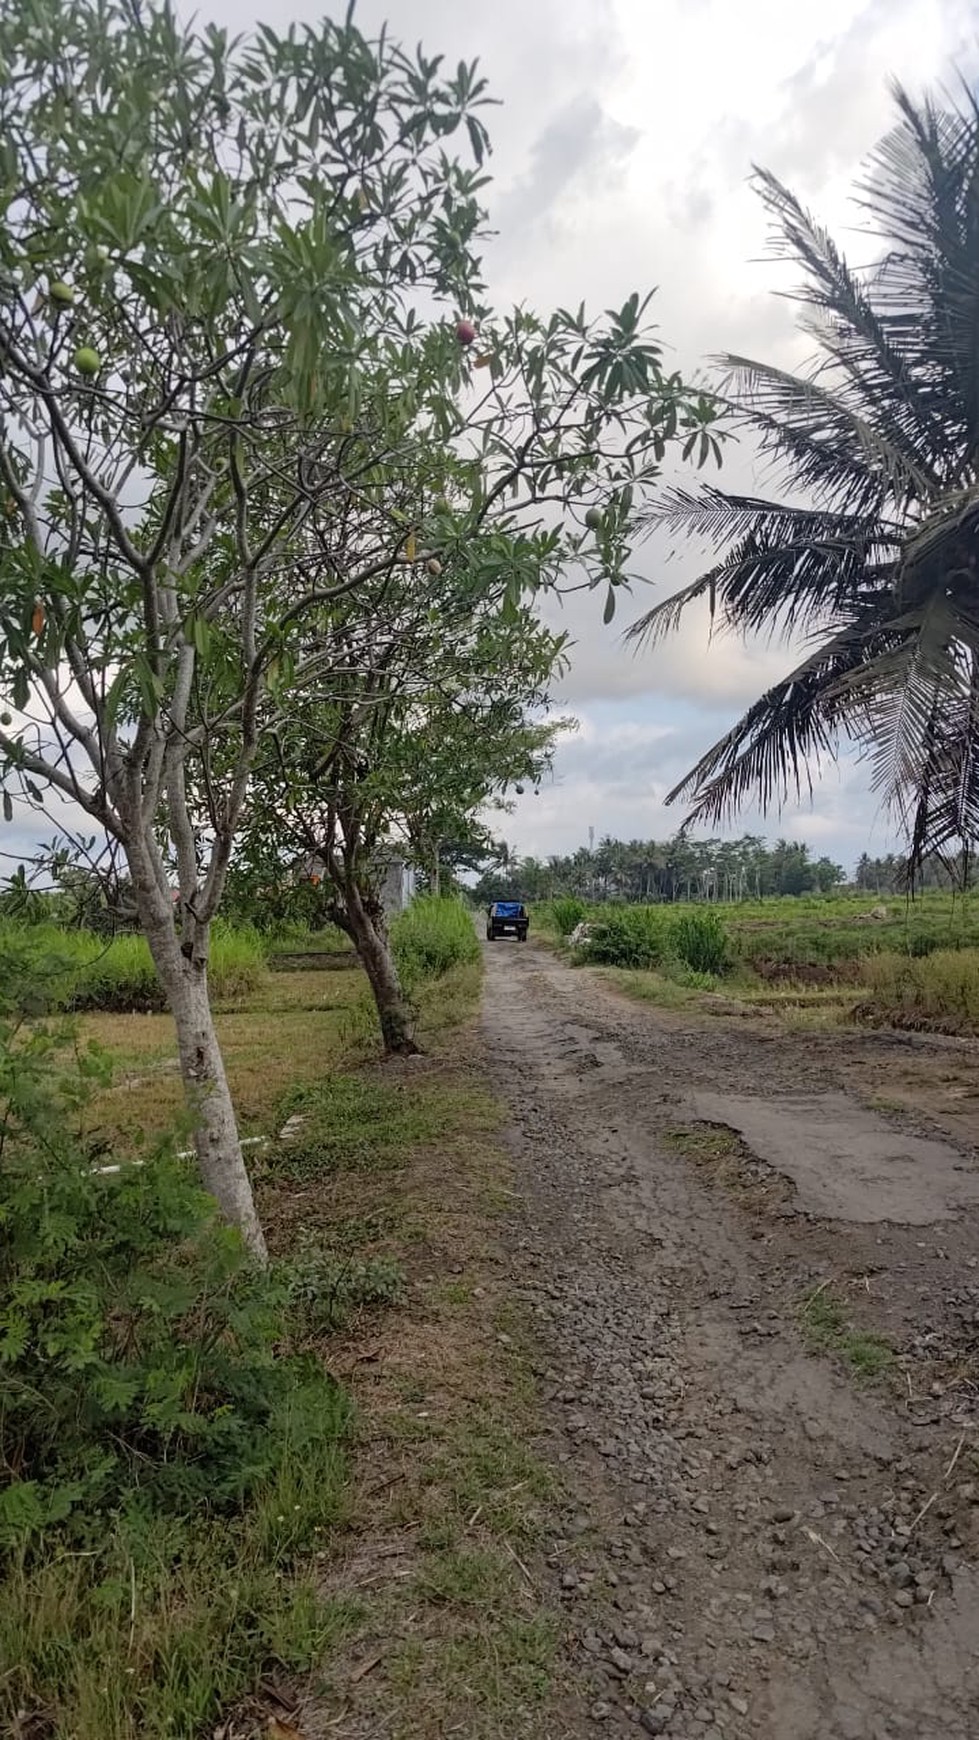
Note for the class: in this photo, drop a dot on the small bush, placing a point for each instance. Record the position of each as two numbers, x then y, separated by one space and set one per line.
567 913
700 941
434 934
325 1289
631 936
138 1369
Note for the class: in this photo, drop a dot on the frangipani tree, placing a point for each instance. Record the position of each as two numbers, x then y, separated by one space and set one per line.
231 282
432 705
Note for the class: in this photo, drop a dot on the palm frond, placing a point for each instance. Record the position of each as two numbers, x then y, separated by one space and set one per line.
875 553
773 748
852 333
923 195
919 697
790 568
848 450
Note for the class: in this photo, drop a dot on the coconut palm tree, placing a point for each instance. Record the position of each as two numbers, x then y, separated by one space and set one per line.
868 554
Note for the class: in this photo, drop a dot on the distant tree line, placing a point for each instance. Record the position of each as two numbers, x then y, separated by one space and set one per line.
889 875
677 869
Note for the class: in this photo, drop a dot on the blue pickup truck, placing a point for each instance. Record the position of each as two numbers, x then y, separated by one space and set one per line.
507 918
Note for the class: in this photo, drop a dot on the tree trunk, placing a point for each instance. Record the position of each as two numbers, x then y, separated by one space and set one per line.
368 935
184 980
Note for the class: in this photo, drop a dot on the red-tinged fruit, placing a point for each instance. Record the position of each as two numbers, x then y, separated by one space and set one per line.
466 332
434 566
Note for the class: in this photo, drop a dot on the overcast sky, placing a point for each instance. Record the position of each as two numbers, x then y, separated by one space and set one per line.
622 152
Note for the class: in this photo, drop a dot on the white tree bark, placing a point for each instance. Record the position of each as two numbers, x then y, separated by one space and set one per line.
183 975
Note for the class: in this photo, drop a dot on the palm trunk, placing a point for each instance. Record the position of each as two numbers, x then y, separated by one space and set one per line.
205 1083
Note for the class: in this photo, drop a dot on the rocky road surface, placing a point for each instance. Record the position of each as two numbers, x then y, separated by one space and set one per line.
760 1541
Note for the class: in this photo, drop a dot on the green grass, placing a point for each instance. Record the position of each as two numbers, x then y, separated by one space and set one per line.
79 971
433 935
149 1634
827 1329
358 1123
815 961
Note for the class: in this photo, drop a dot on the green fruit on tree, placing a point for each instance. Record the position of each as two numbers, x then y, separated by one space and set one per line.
6 719
593 519
61 293
87 361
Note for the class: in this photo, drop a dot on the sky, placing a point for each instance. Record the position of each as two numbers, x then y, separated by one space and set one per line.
622 156
622 152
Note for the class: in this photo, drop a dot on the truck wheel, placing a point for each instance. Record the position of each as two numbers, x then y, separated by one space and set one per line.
489 933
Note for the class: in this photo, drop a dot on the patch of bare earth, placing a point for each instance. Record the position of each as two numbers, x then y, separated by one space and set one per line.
756 1334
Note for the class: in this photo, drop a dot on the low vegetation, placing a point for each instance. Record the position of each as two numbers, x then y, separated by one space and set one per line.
828 1327
169 1449
842 958
76 970
193 1450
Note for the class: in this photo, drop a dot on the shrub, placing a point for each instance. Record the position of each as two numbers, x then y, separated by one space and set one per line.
567 913
700 941
138 1370
325 1289
432 935
631 936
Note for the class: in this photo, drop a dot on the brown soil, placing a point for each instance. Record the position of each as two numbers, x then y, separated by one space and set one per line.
764 1540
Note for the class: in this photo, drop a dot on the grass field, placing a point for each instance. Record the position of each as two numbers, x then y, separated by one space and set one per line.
814 960
387 1571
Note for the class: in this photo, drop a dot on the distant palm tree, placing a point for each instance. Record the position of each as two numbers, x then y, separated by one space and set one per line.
872 558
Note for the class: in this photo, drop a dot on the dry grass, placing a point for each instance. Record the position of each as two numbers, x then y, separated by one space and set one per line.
937 992
294 1034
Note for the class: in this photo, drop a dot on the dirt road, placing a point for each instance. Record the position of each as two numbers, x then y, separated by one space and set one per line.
753 1286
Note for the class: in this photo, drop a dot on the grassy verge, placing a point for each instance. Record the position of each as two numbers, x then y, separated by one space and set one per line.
448 1491
386 1573
809 964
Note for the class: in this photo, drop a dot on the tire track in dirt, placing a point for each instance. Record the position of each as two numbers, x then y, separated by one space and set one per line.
746 1556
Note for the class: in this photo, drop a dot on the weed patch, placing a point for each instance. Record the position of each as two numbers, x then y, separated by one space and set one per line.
827 1328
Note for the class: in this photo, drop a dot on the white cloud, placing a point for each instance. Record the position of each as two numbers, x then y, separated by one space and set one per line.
614 776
